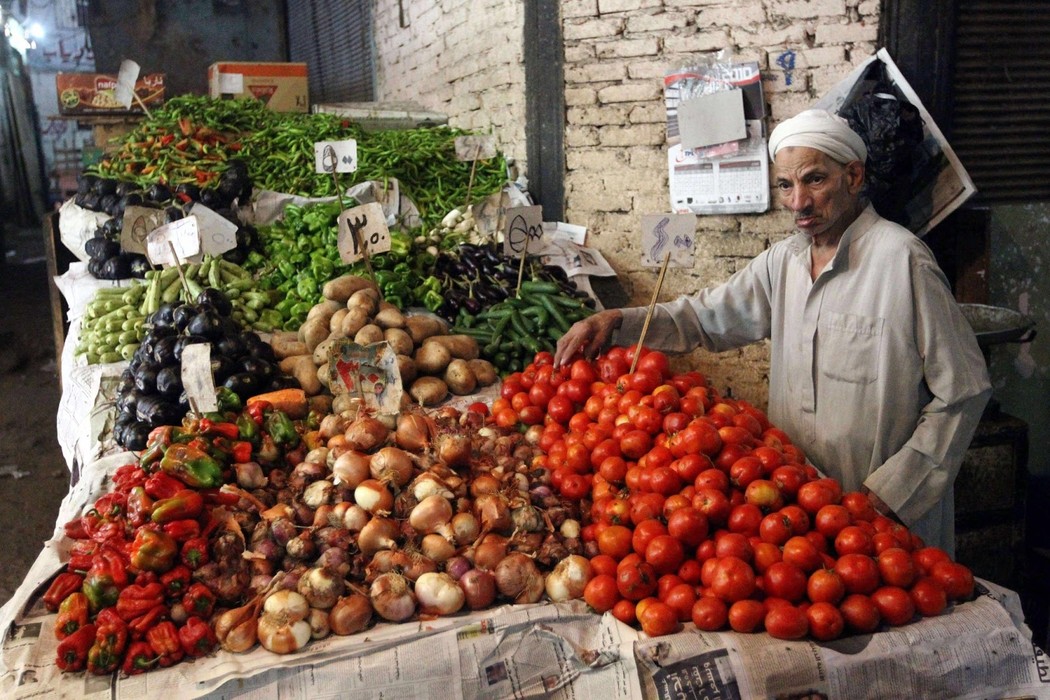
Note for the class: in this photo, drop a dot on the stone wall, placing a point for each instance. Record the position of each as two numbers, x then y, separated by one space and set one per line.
462 58
616 54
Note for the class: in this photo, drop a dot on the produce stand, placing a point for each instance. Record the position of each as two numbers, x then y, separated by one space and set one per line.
978 648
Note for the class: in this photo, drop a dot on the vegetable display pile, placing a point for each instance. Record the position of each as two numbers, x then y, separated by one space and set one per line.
645 493
191 139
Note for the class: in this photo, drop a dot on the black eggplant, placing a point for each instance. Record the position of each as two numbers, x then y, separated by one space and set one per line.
243 384
215 299
262 350
106 186
207 324
139 266
136 435
146 378
112 227
181 316
90 201
127 400
185 340
190 190
231 346
161 318
86 182
164 350
214 199
124 188
173 214
158 192
94 267
283 381
222 367
101 248
169 382
254 365
127 381
116 268
157 410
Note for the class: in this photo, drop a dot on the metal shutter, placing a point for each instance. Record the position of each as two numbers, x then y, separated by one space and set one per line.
1001 116
334 38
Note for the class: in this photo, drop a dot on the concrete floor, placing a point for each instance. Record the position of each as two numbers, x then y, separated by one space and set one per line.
33 474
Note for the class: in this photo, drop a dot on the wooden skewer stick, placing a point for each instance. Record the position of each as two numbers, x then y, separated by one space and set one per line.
473 170
182 275
649 313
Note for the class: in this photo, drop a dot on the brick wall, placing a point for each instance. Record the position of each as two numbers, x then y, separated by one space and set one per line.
459 57
616 53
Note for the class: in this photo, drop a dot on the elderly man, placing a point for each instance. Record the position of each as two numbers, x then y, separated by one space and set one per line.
874 372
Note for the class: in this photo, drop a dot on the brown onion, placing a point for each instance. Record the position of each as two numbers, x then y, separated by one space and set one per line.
518 578
366 433
431 514
355 518
484 484
331 425
533 434
454 449
351 468
465 528
318 619
392 598
428 484
437 548
414 431
374 496
479 587
379 533
350 614
492 512
392 465
490 552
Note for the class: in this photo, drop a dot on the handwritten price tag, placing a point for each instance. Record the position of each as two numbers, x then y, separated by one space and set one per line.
126 79
196 376
362 228
523 228
218 234
663 233
183 234
138 223
335 156
475 147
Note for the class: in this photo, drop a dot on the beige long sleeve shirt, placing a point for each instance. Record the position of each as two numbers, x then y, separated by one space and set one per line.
874 371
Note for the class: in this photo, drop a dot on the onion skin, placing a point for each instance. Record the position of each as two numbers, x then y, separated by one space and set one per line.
518 578
392 598
321 588
350 614
379 533
453 449
374 496
414 431
392 465
431 514
366 434
490 552
351 468
479 588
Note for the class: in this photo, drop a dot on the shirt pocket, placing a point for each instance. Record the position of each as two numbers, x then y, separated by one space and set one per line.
850 346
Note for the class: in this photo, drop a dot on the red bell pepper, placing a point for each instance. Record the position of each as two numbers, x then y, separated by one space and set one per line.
258 409
111 638
195 553
164 639
142 624
182 530
197 637
153 551
176 582
186 503
241 451
226 430
135 600
105 579
110 530
72 652
140 506
127 477
112 505
82 555
73 614
139 658
64 584
160 485
83 527
199 600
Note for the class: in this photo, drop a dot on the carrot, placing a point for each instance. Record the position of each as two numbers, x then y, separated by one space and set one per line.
291 401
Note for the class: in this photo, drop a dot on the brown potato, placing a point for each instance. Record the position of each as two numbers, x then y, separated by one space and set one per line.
336 322
389 316
484 371
324 310
459 378
462 346
367 299
313 333
432 358
400 341
287 344
302 367
342 288
406 367
355 319
428 391
422 327
369 334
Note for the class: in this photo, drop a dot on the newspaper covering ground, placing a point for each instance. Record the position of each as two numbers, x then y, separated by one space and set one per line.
981 649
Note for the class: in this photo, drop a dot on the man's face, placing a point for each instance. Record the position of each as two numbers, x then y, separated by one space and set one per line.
822 193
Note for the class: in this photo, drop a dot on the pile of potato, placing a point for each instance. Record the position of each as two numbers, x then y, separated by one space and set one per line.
431 362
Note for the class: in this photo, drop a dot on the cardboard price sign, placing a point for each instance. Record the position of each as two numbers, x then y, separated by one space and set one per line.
138 223
335 156
183 234
668 233
197 379
524 229
362 230
124 92
475 147
217 233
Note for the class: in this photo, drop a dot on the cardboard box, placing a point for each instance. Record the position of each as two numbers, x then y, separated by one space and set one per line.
92 94
282 87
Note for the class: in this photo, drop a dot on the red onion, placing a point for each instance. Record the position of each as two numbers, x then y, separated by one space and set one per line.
392 598
351 468
457 566
438 594
518 578
392 465
350 614
479 587
366 433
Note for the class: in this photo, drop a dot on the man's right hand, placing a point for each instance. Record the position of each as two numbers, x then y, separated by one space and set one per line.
588 336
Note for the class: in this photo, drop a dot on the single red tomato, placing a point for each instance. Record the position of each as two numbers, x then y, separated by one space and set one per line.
681 599
825 621
560 408
896 567
745 519
603 564
859 572
689 571
644 533
775 528
688 525
635 443
665 553
733 579
710 614
860 613
927 557
615 540
825 586
831 519
656 362
786 622
929 597
764 494
956 578
575 486
624 611
859 506
853 539
801 552
799 518
675 421
788 478
601 593
658 619
734 544
814 495
712 478
894 605
664 481
746 615
646 506
635 581
785 580
714 504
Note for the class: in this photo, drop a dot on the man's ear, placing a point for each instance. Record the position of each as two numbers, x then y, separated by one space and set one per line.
855 176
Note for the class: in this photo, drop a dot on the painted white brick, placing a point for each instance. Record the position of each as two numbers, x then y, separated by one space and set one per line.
579 8
631 92
809 9
589 28
647 46
794 33
579 52
702 41
579 96
823 79
596 72
606 7
633 135
861 51
731 15
869 8
691 3
591 160
845 33
580 136
662 22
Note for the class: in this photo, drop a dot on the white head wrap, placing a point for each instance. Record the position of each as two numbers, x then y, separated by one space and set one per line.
822 130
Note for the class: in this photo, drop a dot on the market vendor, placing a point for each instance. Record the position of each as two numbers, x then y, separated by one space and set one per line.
874 371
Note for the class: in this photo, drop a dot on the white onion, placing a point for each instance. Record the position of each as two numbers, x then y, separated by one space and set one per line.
355 518
318 455
570 529
378 533
392 598
321 588
317 494
331 425
374 496
438 594
429 484
392 465
318 619
351 468
569 578
533 434
432 513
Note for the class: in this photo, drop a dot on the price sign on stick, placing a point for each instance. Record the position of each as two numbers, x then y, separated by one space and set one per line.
475 147
668 233
652 305
362 231
126 79
218 234
138 223
335 156
522 224
182 235
197 378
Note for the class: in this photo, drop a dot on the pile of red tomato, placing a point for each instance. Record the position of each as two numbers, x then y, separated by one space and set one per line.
700 510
